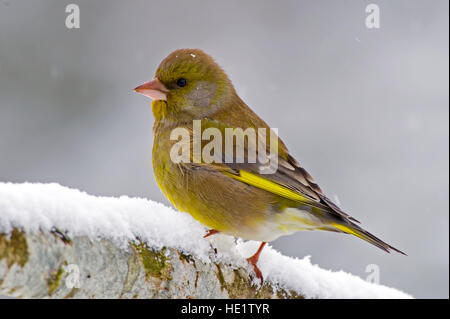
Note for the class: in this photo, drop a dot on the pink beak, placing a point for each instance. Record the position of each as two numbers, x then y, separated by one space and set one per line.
153 89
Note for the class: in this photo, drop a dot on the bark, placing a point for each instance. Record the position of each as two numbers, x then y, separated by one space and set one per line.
51 265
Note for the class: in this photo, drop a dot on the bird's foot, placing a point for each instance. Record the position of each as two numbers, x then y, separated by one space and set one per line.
211 232
257 271
253 260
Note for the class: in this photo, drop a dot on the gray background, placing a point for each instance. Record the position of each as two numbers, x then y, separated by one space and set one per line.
365 111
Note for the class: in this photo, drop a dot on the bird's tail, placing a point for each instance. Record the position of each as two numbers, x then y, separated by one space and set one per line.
353 229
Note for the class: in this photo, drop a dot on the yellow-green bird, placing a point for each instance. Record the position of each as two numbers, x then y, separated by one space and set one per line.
231 194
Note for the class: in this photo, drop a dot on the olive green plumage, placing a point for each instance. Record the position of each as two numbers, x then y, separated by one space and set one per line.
233 198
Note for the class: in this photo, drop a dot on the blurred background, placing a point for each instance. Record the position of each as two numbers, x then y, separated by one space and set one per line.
366 111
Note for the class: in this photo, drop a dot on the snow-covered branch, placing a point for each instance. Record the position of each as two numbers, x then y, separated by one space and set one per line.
60 242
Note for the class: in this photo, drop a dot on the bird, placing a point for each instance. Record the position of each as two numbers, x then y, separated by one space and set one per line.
231 191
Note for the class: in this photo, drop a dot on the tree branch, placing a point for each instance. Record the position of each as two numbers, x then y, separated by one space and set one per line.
51 265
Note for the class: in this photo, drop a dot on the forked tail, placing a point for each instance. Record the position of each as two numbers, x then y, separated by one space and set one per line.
357 231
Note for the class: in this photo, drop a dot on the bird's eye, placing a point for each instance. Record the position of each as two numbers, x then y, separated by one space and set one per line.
181 82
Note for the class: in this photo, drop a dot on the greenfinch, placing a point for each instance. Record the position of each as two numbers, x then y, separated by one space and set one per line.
223 188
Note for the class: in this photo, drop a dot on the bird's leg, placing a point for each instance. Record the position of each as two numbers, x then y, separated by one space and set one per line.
253 260
211 232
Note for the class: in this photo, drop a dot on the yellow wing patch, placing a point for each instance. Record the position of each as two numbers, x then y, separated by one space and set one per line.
260 182
348 230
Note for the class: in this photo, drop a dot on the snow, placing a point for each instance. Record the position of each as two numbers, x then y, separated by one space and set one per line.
35 207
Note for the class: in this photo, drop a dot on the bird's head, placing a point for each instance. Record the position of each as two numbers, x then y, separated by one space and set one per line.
188 84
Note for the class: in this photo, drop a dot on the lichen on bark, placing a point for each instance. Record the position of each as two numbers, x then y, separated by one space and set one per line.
14 248
54 278
154 262
241 285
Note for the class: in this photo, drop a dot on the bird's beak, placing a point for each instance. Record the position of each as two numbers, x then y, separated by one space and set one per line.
153 89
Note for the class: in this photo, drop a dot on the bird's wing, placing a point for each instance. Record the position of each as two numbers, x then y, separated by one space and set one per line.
288 179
